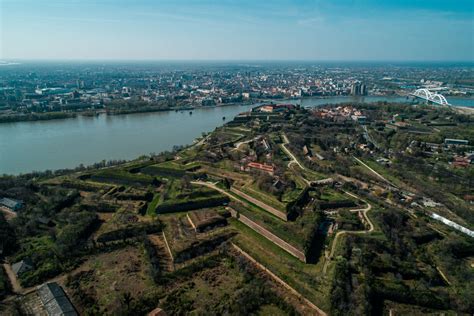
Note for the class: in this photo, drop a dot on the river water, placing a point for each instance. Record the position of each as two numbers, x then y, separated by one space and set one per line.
56 144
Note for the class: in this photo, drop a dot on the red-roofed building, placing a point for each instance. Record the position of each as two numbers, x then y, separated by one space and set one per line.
461 162
262 167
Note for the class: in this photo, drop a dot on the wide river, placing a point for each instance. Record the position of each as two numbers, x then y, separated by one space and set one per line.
56 144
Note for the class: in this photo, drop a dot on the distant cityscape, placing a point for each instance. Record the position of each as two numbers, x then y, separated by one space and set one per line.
54 87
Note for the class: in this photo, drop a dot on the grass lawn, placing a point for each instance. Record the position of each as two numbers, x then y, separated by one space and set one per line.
168 169
333 195
271 310
152 205
385 172
293 232
308 279
254 191
120 176
220 288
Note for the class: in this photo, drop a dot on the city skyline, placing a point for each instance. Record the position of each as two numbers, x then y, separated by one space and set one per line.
243 30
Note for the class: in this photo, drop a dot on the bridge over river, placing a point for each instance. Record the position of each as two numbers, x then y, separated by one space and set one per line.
430 96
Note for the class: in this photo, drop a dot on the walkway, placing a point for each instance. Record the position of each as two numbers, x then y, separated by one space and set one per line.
237 145
374 172
288 152
16 286
339 233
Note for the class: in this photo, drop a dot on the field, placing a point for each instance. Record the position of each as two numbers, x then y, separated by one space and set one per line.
308 279
185 243
178 231
120 176
119 220
169 169
99 283
205 219
176 198
219 287
294 232
254 191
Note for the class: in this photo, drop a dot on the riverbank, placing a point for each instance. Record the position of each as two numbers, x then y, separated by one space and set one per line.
65 144
31 117
462 105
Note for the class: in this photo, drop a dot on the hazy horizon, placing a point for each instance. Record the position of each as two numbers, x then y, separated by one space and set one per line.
343 30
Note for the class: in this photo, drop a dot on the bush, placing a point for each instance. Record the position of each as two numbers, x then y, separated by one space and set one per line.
4 283
130 232
207 202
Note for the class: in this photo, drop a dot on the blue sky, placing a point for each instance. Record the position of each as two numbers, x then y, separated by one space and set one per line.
237 30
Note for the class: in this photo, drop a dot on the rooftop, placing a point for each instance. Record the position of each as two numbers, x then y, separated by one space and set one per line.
55 300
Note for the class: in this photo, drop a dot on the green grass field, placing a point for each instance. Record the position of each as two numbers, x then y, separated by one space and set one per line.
254 191
293 232
152 205
307 279
118 175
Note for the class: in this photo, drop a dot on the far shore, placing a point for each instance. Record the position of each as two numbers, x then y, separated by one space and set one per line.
33 117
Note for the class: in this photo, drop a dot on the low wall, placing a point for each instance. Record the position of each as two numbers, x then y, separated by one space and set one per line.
316 309
260 204
270 236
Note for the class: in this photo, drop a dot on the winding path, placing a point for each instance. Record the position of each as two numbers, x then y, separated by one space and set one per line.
289 153
339 233
237 145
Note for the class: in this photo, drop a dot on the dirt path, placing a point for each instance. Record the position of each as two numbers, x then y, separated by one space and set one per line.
374 172
16 286
339 233
8 213
237 145
288 152
213 186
